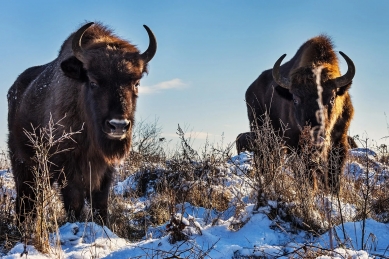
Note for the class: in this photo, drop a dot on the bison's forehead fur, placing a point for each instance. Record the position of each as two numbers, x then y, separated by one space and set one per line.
303 80
108 55
112 64
100 35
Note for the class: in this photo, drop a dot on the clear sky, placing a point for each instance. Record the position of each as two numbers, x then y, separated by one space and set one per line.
209 52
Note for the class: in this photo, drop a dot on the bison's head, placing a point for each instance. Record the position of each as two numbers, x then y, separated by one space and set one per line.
316 94
109 70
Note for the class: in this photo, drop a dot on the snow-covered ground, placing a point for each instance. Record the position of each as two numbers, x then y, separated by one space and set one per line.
259 236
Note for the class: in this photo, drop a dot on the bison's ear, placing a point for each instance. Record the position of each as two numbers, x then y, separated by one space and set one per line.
73 68
341 90
284 93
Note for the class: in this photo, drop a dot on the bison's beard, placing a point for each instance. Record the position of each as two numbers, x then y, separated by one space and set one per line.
113 149
313 140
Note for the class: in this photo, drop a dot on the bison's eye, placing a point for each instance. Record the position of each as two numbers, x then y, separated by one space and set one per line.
332 101
135 88
296 100
93 85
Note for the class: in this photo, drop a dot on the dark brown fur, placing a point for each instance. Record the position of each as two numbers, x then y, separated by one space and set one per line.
86 94
265 95
245 142
351 142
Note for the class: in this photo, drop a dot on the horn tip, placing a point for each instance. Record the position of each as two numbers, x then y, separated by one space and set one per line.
89 24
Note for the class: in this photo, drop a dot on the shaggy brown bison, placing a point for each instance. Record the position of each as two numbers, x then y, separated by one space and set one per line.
308 90
92 85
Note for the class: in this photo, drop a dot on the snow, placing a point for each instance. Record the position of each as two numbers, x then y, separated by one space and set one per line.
258 236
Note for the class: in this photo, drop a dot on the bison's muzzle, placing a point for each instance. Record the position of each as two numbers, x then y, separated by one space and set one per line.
116 129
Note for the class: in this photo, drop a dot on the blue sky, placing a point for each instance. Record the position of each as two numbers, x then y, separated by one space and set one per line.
209 52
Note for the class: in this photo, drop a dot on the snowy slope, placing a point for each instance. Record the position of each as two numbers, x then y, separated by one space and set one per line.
259 236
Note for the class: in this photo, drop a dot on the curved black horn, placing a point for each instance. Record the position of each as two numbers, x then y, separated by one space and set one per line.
348 77
280 80
150 52
76 43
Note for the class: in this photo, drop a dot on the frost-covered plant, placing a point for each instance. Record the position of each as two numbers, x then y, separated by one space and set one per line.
46 213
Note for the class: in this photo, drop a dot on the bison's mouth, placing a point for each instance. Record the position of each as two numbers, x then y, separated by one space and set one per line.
116 136
318 138
320 141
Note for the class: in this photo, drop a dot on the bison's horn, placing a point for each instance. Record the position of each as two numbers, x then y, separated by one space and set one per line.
280 80
346 78
150 52
76 43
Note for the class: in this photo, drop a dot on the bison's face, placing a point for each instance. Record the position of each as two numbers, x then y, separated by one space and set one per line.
315 93
314 101
109 71
109 81
110 93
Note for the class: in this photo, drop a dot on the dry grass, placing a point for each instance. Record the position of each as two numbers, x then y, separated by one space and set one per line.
9 233
293 185
281 180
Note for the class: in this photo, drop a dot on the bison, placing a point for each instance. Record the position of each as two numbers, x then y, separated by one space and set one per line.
308 90
92 85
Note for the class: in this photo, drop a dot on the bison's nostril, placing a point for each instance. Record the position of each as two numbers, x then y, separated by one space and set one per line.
110 126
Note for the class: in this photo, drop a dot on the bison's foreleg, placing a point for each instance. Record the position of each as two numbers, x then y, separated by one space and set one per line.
73 198
336 163
100 197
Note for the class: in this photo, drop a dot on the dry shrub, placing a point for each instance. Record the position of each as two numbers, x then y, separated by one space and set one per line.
179 182
293 184
48 212
368 179
124 221
269 158
9 233
185 176
146 156
291 181
209 197
160 209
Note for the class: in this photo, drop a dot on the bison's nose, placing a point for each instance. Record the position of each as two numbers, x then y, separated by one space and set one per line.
318 135
118 126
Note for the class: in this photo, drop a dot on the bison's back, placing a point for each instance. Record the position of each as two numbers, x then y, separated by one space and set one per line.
25 111
16 91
